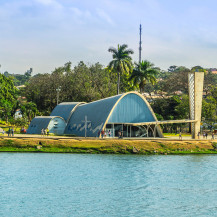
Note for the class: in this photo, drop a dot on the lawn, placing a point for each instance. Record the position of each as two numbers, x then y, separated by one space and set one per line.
175 134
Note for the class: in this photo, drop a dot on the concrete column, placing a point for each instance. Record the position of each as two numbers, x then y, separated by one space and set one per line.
113 130
155 127
195 84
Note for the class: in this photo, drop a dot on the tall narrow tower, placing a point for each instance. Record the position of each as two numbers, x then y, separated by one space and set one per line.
195 84
140 43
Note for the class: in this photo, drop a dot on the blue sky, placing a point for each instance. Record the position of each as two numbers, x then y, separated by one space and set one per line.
45 34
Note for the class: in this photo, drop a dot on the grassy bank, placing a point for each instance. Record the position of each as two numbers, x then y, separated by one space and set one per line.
107 146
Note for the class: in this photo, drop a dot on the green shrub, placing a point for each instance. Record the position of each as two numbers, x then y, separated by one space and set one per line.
214 145
2 122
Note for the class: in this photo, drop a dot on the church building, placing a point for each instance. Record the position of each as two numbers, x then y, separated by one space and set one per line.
128 113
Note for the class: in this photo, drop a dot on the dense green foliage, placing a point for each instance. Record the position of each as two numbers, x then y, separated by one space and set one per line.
10 102
8 97
81 84
7 89
167 90
172 90
19 79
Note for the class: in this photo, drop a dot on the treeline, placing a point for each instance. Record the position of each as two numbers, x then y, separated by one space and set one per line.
82 83
173 101
168 96
167 90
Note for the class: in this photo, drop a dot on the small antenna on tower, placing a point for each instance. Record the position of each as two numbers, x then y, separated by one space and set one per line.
140 43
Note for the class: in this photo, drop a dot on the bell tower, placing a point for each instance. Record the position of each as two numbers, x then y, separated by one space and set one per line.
195 85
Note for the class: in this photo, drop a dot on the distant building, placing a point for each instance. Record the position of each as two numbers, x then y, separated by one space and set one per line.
213 70
20 86
29 72
18 114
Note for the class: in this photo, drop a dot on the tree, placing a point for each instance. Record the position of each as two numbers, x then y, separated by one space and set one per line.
8 95
209 108
39 91
172 68
214 93
172 108
122 61
7 89
210 80
29 110
144 72
20 122
181 69
198 69
176 82
91 82
6 109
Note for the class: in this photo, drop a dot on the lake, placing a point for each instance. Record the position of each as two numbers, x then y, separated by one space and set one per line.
59 185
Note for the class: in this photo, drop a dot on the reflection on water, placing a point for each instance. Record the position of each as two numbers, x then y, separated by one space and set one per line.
107 185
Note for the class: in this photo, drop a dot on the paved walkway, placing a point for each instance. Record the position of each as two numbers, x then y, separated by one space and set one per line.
174 138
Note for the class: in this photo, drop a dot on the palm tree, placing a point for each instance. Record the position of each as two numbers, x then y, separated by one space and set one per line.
144 72
122 61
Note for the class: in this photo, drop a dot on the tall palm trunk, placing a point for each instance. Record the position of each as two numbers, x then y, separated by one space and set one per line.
118 83
141 87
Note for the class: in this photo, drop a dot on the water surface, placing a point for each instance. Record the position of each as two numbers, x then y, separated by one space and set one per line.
60 185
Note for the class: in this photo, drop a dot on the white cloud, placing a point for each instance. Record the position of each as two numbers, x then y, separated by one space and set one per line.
46 2
79 13
103 15
76 11
52 3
